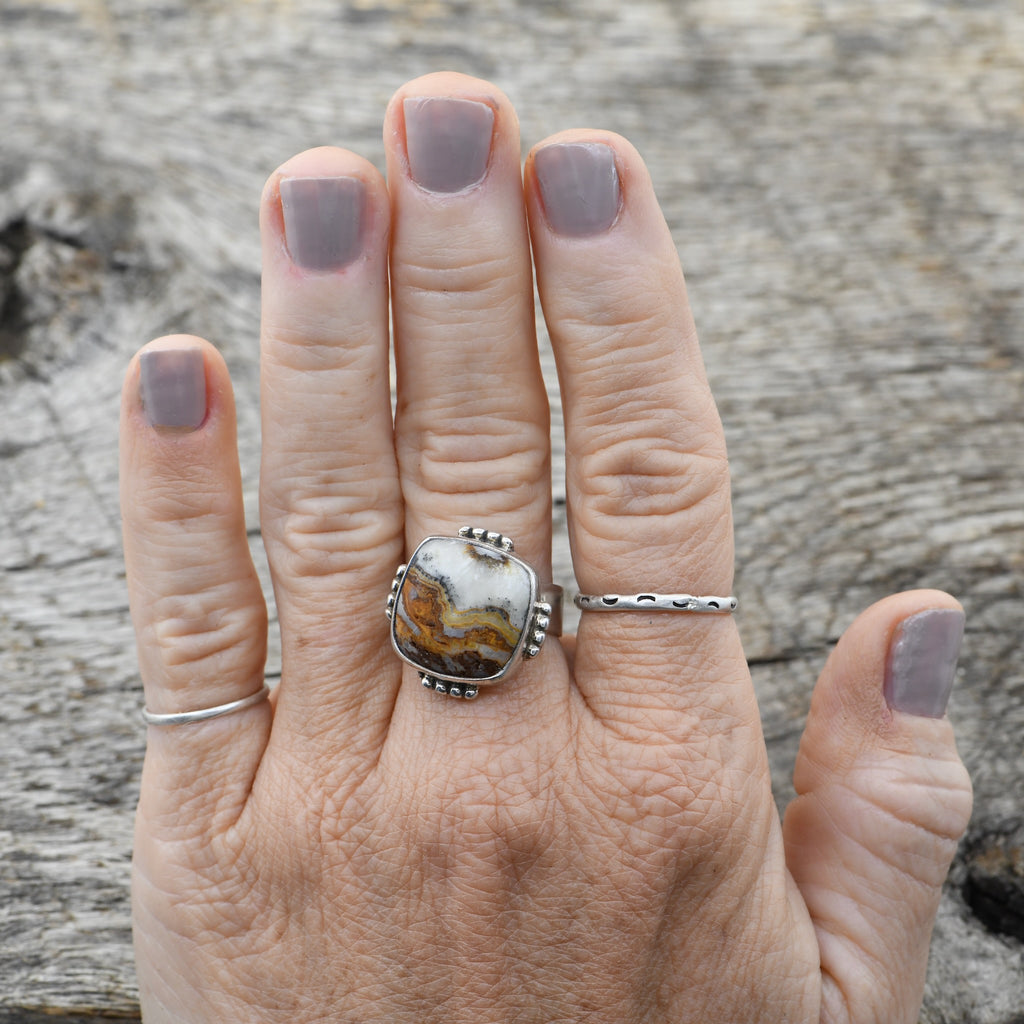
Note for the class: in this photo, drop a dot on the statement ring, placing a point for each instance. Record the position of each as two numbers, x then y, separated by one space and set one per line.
465 611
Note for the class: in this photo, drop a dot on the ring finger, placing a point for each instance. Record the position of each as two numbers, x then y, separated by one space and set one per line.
330 504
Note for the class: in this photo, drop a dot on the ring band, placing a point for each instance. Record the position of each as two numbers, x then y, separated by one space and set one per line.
654 603
465 611
184 717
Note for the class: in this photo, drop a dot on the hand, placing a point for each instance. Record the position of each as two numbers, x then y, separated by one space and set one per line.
596 838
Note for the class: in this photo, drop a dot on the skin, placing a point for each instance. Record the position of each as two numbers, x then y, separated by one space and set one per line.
595 840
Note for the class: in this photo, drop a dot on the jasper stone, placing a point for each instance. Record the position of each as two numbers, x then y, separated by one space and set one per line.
462 608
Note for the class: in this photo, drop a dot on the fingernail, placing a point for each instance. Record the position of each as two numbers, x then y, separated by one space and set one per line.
448 141
323 220
922 662
579 187
173 387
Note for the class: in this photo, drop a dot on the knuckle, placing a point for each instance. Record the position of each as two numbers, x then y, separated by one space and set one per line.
330 534
649 478
503 465
456 276
934 821
203 632
608 313
189 496
312 342
674 502
609 317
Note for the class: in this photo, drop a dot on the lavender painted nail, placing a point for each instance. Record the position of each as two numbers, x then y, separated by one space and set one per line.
323 220
173 387
448 141
922 662
579 187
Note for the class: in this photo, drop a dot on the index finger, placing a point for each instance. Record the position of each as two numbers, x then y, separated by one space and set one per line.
647 476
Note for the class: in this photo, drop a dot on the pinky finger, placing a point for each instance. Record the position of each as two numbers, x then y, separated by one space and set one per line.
197 606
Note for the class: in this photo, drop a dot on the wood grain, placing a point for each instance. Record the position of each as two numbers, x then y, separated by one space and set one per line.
843 179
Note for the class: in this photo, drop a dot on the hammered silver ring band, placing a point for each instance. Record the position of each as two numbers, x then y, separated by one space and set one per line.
654 603
203 714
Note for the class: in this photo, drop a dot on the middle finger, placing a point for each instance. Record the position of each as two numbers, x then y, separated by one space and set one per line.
472 419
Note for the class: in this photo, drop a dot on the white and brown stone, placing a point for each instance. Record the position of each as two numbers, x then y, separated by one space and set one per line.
462 608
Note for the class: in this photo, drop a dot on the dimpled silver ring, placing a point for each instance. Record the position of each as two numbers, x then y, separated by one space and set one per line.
654 603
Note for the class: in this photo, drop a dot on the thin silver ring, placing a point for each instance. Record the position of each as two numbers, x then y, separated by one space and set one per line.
184 717
655 603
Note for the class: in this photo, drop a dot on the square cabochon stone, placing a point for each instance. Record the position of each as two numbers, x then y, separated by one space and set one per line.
462 609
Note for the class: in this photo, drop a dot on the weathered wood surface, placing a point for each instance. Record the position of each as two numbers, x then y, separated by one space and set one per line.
843 178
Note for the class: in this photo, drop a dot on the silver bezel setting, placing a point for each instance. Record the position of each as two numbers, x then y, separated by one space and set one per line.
530 640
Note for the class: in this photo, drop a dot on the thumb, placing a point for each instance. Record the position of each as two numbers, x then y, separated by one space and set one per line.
883 799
